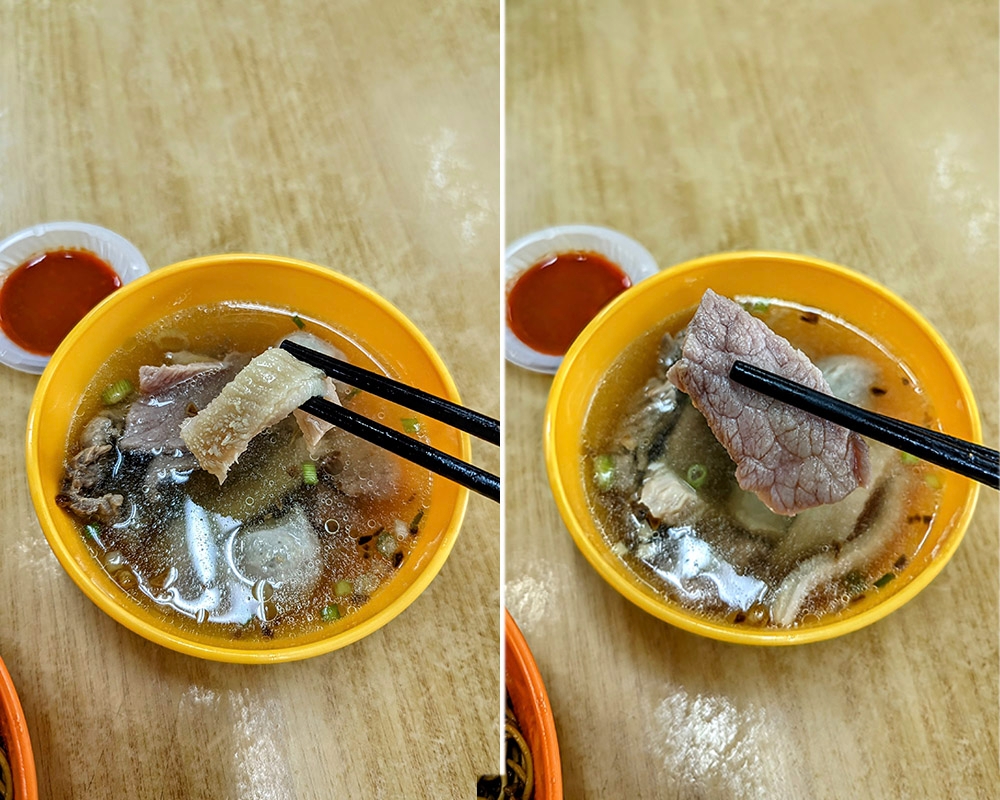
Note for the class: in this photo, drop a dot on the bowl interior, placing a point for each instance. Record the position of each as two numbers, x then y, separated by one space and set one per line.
534 714
14 735
846 294
311 291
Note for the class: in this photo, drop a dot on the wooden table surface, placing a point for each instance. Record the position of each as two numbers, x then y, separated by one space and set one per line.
863 132
364 136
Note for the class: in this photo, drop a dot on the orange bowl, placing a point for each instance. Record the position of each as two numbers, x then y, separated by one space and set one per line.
534 714
14 738
311 291
853 298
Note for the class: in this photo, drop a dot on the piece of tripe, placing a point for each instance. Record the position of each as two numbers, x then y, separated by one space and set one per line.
263 393
790 459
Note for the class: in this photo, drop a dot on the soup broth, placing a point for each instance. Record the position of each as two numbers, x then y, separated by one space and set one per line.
277 549
723 554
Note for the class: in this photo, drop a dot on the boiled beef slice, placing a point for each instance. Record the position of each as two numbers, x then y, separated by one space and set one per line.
168 395
790 459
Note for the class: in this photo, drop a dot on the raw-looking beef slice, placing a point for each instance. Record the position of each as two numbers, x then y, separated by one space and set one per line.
266 391
792 460
167 396
155 380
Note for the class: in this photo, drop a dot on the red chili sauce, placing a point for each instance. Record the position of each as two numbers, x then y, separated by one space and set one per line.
554 300
42 299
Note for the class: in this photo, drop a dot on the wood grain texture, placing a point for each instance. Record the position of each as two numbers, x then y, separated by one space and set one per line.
861 132
360 135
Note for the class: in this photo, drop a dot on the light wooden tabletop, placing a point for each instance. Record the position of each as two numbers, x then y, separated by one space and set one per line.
861 132
364 136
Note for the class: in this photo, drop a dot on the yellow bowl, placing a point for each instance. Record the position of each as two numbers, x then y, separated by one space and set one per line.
312 291
800 279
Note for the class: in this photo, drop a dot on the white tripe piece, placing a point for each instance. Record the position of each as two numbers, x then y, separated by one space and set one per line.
264 392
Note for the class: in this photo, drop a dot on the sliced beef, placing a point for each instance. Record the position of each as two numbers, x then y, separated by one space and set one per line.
88 468
159 380
168 395
99 431
104 508
790 459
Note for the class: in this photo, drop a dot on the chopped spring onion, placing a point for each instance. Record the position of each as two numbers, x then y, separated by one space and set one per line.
411 425
298 321
415 524
696 475
759 307
933 481
386 544
354 392
309 476
604 472
92 530
116 392
884 579
906 458
343 588
331 613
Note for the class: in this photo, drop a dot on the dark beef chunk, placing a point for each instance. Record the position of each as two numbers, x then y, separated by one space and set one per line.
104 508
168 395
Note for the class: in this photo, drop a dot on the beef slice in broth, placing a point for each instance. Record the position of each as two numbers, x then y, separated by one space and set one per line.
792 460
167 396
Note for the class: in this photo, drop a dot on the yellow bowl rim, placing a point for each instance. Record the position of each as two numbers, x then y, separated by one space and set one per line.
671 613
170 638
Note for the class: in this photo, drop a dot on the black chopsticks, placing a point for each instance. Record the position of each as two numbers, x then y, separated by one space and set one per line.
966 458
464 419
